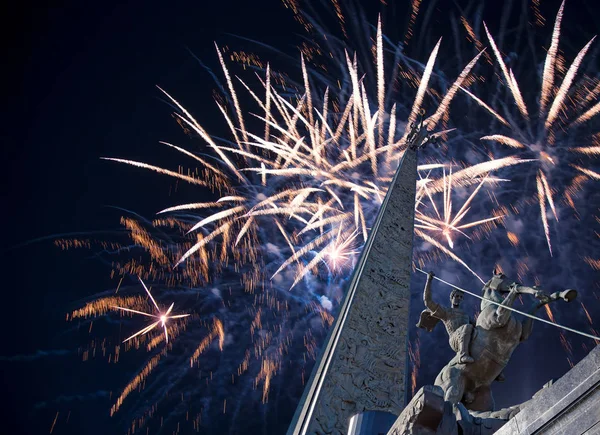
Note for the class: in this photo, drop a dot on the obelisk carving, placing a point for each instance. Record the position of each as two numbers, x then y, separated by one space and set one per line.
364 363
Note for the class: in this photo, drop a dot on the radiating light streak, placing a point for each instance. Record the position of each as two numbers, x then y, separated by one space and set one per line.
162 316
548 75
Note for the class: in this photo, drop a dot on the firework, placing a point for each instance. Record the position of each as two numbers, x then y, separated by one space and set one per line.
449 224
309 183
315 156
548 134
163 317
285 202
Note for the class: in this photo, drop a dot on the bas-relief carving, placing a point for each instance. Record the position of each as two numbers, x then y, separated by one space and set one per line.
367 371
370 358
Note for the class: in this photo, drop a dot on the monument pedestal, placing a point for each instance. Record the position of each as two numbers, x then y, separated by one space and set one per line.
570 405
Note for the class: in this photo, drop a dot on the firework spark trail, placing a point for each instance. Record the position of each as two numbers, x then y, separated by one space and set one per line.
508 76
450 222
589 114
217 331
415 4
136 382
513 143
587 172
332 149
101 306
446 251
380 84
542 203
423 84
268 370
472 174
414 352
189 179
548 77
310 158
445 103
557 104
587 314
485 106
163 317
546 143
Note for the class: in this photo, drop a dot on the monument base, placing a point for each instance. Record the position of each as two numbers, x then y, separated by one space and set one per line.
570 405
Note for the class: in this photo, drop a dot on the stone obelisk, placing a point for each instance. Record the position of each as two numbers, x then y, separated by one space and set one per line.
364 361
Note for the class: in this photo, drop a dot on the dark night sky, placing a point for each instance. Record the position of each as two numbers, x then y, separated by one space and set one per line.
81 86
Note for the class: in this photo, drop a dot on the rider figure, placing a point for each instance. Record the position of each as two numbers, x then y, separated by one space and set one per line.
458 324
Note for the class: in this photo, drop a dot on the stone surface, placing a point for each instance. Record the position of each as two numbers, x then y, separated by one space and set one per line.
570 405
497 334
423 414
364 362
429 414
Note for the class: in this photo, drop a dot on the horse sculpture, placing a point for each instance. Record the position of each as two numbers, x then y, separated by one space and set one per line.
496 335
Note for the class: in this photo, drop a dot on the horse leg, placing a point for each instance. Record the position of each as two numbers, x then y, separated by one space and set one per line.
454 389
483 400
452 381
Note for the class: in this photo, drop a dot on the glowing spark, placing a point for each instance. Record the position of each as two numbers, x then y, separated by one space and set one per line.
513 143
340 251
163 318
548 77
541 193
566 84
508 76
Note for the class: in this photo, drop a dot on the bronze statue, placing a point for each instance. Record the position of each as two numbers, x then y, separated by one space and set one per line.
458 323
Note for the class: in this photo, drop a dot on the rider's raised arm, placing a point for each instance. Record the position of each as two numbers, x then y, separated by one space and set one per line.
437 310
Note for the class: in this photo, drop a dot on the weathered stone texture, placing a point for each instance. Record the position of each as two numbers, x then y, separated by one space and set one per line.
571 405
367 345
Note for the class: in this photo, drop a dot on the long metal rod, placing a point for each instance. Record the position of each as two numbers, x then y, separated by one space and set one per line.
513 309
